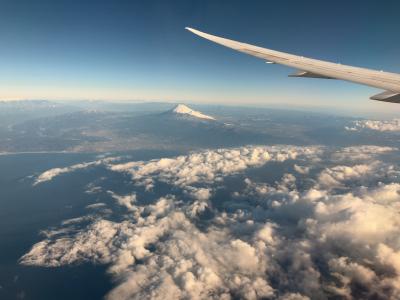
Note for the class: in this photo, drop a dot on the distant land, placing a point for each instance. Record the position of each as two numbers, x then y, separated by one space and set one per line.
99 126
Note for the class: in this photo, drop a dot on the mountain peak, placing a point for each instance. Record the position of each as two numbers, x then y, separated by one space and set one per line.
185 110
182 109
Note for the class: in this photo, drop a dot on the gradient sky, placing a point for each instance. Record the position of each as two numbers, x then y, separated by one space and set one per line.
139 50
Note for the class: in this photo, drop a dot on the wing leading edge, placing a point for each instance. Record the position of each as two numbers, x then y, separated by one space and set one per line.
313 68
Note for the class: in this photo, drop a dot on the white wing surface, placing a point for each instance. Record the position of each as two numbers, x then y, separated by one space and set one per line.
313 68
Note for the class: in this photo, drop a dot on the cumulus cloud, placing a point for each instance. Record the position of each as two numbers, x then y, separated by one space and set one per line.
362 153
209 166
315 234
128 201
301 169
390 125
339 175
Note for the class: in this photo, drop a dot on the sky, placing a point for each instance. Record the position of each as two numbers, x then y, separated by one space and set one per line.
139 50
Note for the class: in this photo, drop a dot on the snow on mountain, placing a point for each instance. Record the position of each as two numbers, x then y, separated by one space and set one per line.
187 111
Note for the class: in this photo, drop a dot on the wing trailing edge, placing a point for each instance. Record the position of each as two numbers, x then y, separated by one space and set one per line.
387 97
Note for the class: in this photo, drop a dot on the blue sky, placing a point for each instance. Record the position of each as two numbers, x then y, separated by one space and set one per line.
139 50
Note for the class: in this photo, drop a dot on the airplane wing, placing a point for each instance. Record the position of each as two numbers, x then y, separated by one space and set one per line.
313 68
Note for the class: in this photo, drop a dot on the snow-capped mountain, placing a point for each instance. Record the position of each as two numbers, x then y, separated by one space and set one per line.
183 110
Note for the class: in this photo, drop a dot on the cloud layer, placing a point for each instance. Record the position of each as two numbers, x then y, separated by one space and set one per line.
326 227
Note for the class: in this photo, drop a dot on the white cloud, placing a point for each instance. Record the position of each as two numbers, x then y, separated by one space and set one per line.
202 194
391 125
128 200
341 174
50 174
92 189
96 205
359 153
295 238
210 166
301 169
